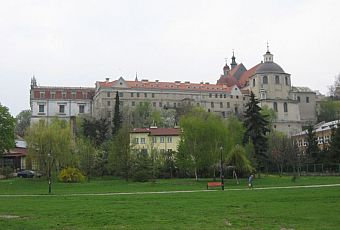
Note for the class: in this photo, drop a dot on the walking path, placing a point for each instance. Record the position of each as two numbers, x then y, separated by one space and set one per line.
170 192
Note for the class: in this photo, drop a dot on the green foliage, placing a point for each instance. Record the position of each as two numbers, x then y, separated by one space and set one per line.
256 128
23 120
329 111
71 175
238 158
312 150
7 124
55 139
87 153
119 153
334 148
142 168
117 119
142 115
96 130
269 114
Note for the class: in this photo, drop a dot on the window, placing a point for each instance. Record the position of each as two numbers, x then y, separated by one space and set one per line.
154 104
154 139
131 94
275 106
221 96
41 108
169 139
121 94
73 95
326 139
263 95
53 95
221 104
142 140
61 108
286 81
265 80
174 104
216 95
81 108
63 94
210 95
133 103
231 96
108 94
236 96
108 103
298 99
307 99
42 94
285 107
137 94
145 95
253 82
277 79
161 139
320 140
136 140
225 95
212 104
228 104
152 95
160 104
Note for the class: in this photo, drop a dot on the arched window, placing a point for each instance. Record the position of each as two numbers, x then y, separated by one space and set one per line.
275 106
277 79
286 81
265 80
285 107
253 82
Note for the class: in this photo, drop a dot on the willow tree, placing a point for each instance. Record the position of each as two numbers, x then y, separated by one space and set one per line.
52 140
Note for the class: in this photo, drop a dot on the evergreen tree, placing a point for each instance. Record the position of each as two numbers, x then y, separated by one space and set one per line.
256 128
312 150
117 121
334 148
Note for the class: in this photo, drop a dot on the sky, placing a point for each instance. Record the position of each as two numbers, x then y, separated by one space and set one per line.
76 43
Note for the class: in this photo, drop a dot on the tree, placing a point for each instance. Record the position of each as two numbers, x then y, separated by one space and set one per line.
238 158
312 150
55 139
120 153
329 111
256 129
332 88
334 147
117 120
87 154
23 120
96 130
142 115
7 124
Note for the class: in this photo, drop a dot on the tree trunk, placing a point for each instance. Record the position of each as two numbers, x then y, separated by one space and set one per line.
196 178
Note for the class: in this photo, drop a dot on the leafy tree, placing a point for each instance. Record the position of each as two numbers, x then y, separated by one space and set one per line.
23 120
142 115
96 130
269 114
334 147
117 120
55 139
142 168
238 158
87 154
256 127
329 111
332 88
120 158
312 150
7 124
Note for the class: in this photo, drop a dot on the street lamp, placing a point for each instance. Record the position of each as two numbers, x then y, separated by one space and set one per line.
49 156
222 174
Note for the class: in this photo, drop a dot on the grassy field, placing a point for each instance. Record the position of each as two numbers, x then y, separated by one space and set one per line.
302 208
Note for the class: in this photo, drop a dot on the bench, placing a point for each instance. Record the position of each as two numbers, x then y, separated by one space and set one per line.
214 184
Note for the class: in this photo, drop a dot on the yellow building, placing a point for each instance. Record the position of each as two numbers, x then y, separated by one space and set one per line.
160 139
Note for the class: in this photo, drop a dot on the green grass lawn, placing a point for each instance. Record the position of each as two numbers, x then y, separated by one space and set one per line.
303 208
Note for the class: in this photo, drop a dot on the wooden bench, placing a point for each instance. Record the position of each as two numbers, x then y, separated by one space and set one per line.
214 184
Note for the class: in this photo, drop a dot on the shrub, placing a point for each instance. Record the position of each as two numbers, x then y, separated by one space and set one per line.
71 175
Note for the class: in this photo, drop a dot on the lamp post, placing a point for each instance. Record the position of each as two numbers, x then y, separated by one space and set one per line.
49 156
222 174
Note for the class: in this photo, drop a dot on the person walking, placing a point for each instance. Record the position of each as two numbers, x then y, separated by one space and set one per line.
250 181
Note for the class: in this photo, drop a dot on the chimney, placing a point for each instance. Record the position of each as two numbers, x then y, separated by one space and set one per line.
107 79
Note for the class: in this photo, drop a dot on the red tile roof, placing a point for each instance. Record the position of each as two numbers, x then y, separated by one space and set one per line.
246 75
171 86
158 131
81 93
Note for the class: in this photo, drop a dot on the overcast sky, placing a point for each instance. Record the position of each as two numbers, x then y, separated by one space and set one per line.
76 43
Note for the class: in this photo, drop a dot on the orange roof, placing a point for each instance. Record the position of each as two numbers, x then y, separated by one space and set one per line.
246 75
171 86
158 131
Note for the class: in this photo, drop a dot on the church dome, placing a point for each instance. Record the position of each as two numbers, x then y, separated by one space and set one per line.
269 67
